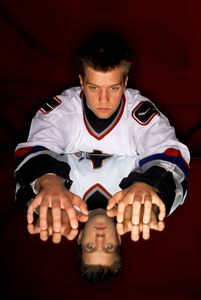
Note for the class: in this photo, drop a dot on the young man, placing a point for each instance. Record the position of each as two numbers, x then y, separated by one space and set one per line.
102 116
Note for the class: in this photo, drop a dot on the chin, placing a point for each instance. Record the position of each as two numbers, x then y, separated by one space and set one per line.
98 216
103 116
102 219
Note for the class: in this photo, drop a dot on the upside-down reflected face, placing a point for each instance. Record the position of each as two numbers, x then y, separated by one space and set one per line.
99 239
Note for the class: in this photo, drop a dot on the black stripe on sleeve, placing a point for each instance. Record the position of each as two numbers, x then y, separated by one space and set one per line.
41 165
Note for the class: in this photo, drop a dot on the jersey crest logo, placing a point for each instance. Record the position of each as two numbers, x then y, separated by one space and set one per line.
50 104
97 157
144 112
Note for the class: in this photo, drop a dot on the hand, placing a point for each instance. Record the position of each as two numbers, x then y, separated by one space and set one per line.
66 229
137 194
143 229
53 194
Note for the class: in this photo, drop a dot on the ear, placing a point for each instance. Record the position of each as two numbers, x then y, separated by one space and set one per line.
81 80
126 81
79 237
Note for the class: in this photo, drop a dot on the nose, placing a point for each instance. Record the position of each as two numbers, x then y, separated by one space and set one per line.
103 96
100 237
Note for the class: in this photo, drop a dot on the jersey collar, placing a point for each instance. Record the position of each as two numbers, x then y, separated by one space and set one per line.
97 127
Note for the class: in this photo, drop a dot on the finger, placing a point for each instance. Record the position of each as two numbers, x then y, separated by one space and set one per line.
136 209
120 228
72 216
147 209
44 235
120 212
32 206
56 237
113 200
32 229
145 231
161 207
159 226
80 204
82 218
124 227
111 212
56 215
43 213
71 235
162 212
135 233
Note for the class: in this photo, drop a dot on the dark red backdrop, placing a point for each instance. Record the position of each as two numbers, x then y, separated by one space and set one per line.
39 41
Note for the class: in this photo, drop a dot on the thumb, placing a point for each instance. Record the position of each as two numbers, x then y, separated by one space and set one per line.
114 200
111 212
80 204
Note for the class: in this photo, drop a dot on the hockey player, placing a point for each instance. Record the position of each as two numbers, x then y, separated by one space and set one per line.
102 116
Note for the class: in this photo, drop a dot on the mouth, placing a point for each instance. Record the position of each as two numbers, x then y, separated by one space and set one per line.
101 227
103 109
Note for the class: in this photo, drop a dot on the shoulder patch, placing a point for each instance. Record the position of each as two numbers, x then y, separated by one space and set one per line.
50 104
144 112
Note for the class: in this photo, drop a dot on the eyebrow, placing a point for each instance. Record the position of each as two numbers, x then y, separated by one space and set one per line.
94 250
113 85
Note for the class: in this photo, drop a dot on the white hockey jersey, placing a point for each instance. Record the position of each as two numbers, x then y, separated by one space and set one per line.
139 136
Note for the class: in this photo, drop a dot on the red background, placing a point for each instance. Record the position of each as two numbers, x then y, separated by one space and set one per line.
39 41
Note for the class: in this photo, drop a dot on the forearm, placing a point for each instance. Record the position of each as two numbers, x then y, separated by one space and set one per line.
34 165
168 178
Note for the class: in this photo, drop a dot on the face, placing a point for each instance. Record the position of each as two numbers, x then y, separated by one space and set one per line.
99 239
103 90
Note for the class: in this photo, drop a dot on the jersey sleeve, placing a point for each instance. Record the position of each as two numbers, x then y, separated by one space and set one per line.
163 160
42 153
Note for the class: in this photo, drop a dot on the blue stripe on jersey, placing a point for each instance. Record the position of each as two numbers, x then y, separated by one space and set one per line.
177 160
22 153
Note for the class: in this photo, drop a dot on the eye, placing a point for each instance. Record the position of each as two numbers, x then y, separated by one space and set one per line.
89 247
92 88
109 247
115 88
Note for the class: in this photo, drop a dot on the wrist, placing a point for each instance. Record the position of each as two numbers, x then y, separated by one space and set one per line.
48 180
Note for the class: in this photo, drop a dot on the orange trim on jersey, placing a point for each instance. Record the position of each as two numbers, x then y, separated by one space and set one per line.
176 153
22 151
96 187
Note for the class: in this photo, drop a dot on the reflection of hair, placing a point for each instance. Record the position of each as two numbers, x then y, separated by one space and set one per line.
98 273
104 52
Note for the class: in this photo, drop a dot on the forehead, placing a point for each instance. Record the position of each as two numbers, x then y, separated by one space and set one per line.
114 76
98 258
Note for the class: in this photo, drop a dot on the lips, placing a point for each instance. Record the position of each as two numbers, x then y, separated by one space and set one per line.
101 227
104 109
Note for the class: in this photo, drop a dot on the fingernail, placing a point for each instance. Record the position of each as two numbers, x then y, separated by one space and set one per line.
74 225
